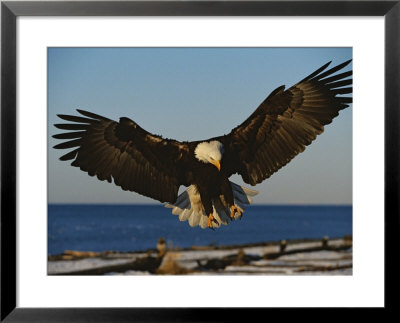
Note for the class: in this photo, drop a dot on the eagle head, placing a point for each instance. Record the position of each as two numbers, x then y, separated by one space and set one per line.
210 152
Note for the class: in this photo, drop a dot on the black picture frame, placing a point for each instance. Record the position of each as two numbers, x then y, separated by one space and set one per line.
10 10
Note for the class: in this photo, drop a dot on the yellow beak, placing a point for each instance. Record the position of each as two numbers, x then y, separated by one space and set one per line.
217 164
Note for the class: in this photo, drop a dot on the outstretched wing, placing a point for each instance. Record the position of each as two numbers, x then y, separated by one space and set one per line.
136 159
285 123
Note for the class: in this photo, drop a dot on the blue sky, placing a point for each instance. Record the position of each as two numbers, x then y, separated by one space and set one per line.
193 94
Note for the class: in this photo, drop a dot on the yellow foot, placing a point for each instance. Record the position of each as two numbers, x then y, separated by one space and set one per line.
235 209
211 219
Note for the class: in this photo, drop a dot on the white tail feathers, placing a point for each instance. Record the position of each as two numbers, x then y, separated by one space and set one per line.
189 208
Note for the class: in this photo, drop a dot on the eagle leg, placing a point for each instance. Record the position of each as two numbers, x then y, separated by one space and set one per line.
211 219
235 209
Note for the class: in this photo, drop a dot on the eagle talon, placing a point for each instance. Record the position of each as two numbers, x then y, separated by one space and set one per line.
235 209
211 219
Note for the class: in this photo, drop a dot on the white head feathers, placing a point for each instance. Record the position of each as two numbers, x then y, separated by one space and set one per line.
208 152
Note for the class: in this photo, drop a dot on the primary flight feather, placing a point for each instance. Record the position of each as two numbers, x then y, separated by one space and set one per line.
136 160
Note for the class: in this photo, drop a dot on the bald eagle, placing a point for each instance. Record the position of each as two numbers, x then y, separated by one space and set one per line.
278 130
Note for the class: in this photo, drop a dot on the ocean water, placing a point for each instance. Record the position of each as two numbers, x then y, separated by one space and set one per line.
138 227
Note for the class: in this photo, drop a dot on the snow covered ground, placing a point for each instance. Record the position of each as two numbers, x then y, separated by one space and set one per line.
296 258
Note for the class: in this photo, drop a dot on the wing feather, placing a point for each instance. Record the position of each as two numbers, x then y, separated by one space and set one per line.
285 123
69 135
69 126
135 159
69 144
70 155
